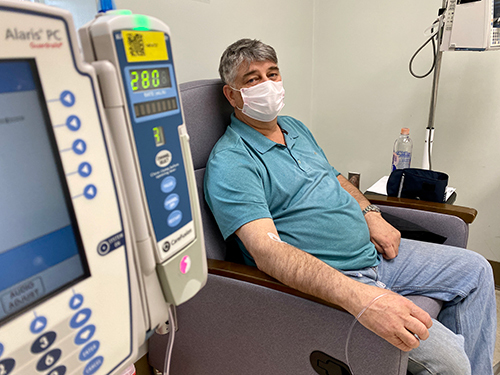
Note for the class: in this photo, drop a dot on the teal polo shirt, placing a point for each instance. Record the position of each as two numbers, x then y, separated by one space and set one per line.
250 177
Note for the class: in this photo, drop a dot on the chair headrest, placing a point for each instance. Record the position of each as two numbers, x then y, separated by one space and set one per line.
207 114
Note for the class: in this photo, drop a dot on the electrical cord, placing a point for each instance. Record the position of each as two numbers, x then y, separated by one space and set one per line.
352 326
435 52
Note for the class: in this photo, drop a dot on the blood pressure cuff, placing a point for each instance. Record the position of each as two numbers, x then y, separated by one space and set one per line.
419 184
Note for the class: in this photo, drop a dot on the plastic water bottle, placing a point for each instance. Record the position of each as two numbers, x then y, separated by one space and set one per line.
401 156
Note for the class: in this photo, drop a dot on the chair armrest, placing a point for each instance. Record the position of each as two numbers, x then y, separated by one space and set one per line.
253 275
465 213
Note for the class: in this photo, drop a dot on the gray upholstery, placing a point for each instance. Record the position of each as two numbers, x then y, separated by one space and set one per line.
235 327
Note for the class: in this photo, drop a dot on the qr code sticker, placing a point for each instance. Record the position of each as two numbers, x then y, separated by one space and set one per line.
136 45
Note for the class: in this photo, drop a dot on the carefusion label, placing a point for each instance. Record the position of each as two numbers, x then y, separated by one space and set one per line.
177 241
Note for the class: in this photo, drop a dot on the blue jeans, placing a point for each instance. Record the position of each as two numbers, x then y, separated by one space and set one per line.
462 340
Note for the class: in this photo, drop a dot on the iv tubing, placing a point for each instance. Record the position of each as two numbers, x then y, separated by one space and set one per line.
352 326
171 338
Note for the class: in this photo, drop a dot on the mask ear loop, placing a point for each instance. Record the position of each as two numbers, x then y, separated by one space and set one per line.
352 326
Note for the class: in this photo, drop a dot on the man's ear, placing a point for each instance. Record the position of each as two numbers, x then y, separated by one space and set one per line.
229 94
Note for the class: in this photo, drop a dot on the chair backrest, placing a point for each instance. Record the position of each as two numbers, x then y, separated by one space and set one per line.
207 114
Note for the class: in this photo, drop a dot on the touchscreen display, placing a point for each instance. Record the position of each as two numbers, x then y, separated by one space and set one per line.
41 250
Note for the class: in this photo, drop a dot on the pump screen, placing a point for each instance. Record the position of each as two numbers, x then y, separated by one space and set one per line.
150 79
40 248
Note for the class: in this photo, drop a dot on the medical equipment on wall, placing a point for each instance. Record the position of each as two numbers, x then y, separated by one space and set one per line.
471 25
80 293
462 25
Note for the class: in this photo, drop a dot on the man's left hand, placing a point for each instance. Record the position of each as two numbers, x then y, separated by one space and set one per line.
384 236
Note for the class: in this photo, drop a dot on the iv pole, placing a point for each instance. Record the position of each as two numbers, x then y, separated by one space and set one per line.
429 134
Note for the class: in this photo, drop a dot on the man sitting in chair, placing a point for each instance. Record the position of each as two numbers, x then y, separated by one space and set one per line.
300 221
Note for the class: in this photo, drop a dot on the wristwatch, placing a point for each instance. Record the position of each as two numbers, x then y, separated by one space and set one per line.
369 208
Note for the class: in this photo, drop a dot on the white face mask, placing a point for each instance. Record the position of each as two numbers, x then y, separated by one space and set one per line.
264 101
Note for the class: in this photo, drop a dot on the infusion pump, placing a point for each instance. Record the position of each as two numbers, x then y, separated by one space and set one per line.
471 25
99 220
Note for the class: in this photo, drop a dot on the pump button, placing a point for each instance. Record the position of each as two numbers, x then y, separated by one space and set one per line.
43 342
61 370
80 318
89 350
6 366
93 366
38 324
67 98
48 360
76 301
85 334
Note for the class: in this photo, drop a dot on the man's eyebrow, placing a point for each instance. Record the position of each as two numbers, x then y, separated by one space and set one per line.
249 73
272 68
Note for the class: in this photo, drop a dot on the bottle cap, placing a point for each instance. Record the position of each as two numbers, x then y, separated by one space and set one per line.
405 131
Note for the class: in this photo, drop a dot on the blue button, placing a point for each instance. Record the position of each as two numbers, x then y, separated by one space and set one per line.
48 360
80 318
89 350
43 342
174 218
85 334
6 366
76 301
73 123
168 184
61 370
90 191
38 324
93 366
1 349
171 202
67 98
84 169
79 147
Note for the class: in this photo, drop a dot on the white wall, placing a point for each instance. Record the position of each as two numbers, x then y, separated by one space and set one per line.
346 74
201 30
363 94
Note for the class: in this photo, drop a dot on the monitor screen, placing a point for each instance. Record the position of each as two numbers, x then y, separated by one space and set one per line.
41 251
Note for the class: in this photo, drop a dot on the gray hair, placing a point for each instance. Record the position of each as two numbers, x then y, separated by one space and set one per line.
244 50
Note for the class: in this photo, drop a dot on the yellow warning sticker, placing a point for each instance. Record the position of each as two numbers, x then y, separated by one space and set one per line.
144 45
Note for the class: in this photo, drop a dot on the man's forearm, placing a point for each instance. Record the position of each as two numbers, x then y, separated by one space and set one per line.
296 268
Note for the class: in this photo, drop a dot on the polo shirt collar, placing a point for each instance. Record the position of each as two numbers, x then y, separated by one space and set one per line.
258 141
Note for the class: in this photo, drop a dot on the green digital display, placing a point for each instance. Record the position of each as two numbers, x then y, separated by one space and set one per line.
150 79
159 136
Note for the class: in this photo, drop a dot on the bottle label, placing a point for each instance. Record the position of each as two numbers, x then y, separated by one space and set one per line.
401 160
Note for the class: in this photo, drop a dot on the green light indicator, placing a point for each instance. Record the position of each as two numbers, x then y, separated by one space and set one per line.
141 22
124 12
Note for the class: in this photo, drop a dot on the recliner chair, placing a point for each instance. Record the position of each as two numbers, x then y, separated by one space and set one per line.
245 322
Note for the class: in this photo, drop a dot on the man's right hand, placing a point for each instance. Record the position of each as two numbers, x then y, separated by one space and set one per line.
395 318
